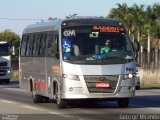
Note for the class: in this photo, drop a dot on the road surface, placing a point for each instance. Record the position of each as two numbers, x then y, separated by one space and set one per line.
16 104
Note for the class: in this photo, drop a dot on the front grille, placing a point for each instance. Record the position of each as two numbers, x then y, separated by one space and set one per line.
3 64
92 80
2 72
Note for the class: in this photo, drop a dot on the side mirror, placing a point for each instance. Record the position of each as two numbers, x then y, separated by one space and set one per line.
136 48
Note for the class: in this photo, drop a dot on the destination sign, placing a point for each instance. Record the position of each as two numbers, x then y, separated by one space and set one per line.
108 28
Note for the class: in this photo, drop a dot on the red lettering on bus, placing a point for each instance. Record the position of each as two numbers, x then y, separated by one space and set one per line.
108 28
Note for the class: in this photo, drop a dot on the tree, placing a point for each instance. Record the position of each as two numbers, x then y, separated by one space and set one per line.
50 18
13 39
123 14
72 16
140 20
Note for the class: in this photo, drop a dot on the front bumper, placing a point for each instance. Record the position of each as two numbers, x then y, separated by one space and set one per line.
124 89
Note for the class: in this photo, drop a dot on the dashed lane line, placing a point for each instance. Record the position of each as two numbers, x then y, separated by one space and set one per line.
37 109
60 114
32 108
16 89
7 101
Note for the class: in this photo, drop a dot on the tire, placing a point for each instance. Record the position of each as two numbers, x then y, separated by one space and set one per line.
7 81
60 102
45 99
37 98
137 87
123 102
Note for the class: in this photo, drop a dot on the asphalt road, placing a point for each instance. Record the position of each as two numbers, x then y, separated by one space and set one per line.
16 104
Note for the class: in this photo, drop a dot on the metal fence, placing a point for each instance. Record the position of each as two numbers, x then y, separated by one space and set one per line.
15 64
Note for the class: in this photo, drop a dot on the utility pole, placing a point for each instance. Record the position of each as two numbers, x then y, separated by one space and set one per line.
149 41
139 52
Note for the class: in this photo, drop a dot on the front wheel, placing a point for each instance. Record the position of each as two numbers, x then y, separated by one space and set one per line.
123 102
60 102
7 81
138 87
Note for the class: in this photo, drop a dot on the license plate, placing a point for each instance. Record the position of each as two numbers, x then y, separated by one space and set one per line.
102 85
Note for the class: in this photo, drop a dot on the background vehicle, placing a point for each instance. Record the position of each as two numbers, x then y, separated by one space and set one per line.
61 60
5 62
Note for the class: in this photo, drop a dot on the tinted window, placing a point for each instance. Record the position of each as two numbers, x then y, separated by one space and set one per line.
30 45
51 46
42 45
23 45
36 44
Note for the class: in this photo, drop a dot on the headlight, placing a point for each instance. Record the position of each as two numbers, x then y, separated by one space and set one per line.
8 71
129 76
137 75
71 77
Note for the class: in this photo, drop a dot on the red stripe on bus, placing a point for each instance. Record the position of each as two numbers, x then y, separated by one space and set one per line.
40 85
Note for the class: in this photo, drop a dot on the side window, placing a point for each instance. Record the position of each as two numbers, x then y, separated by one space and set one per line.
36 44
30 45
57 43
42 45
23 45
52 45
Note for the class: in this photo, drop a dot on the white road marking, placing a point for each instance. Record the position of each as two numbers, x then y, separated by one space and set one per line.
32 108
7 101
60 114
16 89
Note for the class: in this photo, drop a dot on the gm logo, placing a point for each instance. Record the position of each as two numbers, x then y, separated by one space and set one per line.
129 69
67 33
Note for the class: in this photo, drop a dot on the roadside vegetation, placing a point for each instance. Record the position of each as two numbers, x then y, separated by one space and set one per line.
150 78
15 75
141 21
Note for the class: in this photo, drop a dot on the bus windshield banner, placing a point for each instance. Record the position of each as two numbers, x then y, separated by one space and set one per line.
108 29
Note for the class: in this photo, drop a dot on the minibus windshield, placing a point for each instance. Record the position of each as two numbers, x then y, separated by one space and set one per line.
96 45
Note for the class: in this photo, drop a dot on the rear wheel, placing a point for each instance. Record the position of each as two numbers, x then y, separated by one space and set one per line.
60 102
123 102
37 98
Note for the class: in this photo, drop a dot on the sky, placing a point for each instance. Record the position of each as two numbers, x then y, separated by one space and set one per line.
35 10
